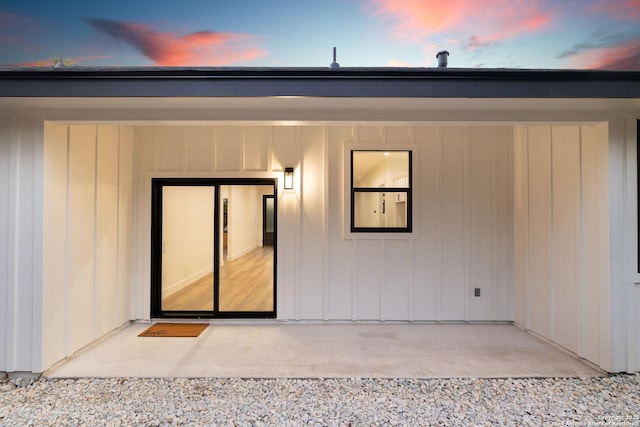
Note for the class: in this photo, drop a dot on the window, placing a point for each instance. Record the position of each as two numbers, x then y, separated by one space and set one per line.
380 191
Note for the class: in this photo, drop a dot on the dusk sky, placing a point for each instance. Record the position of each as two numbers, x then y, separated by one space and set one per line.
554 34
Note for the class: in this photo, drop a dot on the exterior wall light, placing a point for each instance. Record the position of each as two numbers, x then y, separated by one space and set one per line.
288 178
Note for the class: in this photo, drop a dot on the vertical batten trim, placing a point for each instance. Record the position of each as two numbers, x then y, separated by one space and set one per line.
117 313
382 279
440 233
212 148
580 339
186 158
298 225
382 256
411 277
135 225
5 227
527 212
66 244
95 231
325 222
511 252
38 244
269 164
12 242
466 220
411 249
156 150
494 224
242 160
354 242
613 326
354 279
631 245
551 324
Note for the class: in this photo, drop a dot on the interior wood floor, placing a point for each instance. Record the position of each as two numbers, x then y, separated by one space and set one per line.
246 284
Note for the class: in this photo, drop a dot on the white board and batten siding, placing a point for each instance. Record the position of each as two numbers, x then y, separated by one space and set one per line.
88 223
21 216
562 236
541 218
462 235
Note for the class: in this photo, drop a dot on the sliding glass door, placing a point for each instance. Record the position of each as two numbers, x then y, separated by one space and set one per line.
210 253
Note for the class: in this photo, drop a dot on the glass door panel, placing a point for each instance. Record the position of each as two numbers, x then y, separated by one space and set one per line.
187 248
246 276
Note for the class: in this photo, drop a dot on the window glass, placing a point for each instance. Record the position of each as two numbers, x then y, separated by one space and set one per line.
380 169
380 191
376 209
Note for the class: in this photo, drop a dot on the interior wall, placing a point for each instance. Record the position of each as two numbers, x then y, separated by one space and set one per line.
88 209
561 227
187 236
462 235
244 220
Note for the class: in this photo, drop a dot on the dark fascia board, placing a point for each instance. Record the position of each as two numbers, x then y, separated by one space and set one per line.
317 82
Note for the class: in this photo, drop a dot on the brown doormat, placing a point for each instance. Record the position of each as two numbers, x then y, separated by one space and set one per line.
174 330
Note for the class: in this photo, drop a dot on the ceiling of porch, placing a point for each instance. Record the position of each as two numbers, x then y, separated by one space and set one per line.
301 110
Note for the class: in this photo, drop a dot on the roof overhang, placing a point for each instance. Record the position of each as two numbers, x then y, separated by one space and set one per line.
298 95
318 82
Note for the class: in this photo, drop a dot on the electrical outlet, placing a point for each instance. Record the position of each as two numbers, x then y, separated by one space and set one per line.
476 292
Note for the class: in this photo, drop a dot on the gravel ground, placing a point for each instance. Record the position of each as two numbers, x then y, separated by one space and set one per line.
610 400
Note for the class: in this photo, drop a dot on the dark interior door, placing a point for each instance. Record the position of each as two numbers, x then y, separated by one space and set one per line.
268 220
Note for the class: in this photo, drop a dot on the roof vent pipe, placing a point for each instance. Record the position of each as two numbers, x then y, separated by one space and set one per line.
442 58
334 64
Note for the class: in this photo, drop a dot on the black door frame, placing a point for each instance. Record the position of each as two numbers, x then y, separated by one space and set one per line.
157 185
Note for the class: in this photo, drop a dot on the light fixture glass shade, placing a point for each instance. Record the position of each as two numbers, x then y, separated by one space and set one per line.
288 178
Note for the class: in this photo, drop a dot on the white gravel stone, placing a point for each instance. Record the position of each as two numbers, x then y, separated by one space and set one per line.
321 402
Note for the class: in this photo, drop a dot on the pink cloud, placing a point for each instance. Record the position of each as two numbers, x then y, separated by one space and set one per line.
622 57
483 22
605 50
15 31
204 48
11 20
621 9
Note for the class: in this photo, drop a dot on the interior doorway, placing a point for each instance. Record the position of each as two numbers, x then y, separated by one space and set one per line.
213 247
268 220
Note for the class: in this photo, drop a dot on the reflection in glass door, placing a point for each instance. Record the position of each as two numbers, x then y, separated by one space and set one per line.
213 247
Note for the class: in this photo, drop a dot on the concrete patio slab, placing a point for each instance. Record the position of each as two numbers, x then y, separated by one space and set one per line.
327 350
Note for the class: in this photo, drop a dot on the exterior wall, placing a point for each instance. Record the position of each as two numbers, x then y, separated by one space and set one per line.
462 217
322 272
88 212
21 156
562 236
622 299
